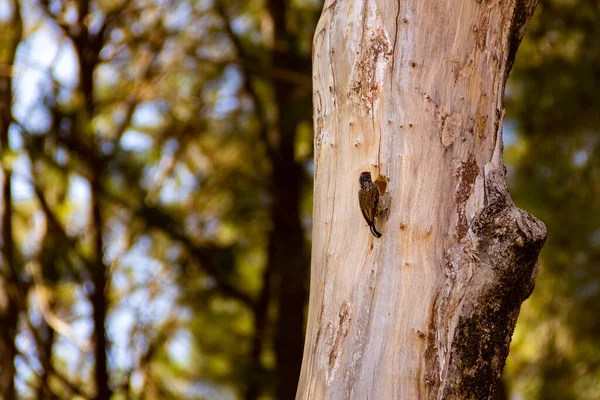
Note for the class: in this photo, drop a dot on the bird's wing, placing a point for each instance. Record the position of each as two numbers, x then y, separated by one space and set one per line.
366 211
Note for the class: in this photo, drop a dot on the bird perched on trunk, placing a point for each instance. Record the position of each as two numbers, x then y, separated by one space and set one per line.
368 199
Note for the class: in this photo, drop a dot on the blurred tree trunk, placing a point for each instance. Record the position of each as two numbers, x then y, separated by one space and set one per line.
289 263
11 290
413 92
501 392
286 273
88 46
288 258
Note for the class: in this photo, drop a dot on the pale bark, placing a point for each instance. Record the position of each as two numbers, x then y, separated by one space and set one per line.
413 92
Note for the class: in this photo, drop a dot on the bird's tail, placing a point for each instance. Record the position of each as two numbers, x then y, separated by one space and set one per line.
374 231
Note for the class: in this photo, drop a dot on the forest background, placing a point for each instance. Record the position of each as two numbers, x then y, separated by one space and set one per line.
156 198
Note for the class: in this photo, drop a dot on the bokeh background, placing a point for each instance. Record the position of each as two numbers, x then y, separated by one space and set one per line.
156 191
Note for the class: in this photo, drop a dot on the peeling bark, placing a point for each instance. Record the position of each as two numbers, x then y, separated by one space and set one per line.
413 92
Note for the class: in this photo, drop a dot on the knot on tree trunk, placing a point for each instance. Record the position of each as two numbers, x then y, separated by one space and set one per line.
489 274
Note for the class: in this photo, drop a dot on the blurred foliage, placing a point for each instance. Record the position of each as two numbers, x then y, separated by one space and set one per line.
187 125
554 168
142 144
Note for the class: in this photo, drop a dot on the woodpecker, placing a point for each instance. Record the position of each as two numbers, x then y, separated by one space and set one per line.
368 199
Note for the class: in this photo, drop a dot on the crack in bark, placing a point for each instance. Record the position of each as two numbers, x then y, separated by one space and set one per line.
339 334
465 174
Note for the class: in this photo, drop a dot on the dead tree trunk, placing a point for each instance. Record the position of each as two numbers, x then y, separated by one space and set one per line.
412 91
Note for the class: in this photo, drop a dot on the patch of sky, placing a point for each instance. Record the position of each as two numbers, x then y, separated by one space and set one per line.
179 347
36 53
71 354
65 69
107 148
120 281
24 375
224 106
170 54
82 328
137 380
170 147
15 138
136 274
137 28
210 226
580 157
178 16
241 24
33 311
37 120
148 172
227 99
81 324
310 166
110 51
81 307
61 156
117 35
25 343
88 286
148 114
142 306
30 87
41 46
79 189
133 140
174 252
6 11
64 95
107 75
70 14
165 303
31 13
509 132
144 243
116 239
178 187
97 18
246 25
120 323
22 189
138 260
78 193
